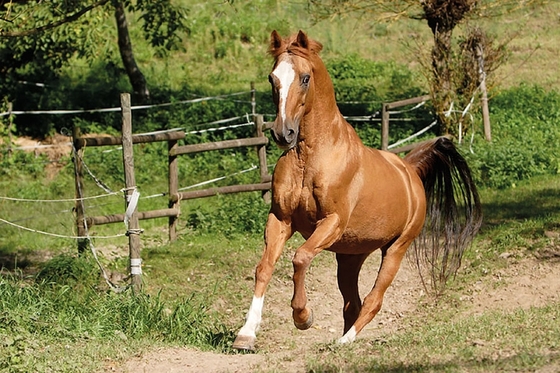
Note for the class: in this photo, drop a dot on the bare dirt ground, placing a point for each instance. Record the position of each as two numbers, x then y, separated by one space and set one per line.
521 284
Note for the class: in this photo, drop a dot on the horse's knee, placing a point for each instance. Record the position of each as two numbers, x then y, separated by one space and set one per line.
263 272
301 260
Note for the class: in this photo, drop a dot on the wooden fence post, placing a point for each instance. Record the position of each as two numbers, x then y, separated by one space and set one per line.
173 168
130 183
385 127
10 128
484 99
79 184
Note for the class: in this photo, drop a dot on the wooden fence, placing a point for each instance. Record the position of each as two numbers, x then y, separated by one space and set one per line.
259 141
385 116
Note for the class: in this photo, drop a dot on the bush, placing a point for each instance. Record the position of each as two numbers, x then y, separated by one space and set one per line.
19 163
239 214
525 131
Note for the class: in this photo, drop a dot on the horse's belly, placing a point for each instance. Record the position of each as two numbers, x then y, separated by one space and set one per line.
353 242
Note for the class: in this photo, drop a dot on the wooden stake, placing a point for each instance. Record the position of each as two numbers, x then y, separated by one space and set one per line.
130 182
79 184
484 99
173 170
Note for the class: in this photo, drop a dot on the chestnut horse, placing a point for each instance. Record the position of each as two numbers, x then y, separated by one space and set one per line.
350 199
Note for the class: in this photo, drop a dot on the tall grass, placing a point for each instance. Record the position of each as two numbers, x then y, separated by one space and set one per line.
65 307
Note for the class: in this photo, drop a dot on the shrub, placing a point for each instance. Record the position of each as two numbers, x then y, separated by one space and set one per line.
525 131
239 214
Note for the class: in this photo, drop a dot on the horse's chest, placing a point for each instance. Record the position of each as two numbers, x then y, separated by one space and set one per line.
308 203
311 207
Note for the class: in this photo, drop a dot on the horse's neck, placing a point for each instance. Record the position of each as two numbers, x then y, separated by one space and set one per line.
323 125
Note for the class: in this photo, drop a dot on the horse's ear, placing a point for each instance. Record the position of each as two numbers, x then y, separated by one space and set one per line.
302 40
275 41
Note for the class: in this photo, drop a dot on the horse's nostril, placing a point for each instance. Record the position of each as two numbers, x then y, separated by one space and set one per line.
290 133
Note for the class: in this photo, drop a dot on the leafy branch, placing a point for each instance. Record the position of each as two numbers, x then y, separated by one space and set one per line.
67 19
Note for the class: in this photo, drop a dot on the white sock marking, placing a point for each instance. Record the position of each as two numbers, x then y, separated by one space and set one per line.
254 316
350 336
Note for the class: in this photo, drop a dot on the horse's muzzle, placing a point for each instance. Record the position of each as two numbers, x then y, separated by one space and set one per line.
285 135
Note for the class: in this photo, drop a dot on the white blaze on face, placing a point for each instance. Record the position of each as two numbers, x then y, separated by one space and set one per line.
286 75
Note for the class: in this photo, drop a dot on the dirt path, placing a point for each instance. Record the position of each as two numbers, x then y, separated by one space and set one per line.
522 284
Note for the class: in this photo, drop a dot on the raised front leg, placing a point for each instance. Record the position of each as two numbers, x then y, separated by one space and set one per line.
276 235
327 232
390 264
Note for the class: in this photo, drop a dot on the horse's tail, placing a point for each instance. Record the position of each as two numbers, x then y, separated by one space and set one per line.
453 213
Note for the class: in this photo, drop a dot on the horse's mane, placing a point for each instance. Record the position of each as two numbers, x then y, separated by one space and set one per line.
293 46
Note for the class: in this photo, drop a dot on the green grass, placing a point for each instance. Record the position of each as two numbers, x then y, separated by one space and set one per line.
523 340
517 219
66 310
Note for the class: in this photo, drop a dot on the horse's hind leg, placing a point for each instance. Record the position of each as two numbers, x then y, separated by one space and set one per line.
326 233
276 235
347 275
390 263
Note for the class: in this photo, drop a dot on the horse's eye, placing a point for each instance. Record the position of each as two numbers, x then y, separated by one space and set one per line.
305 79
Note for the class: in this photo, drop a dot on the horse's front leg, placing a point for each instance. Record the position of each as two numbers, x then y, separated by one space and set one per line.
276 235
327 232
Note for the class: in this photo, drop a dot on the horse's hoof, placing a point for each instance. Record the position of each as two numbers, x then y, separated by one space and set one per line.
306 324
244 342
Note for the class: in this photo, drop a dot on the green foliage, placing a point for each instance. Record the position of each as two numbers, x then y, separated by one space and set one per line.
28 38
162 22
524 127
64 307
18 163
364 80
231 214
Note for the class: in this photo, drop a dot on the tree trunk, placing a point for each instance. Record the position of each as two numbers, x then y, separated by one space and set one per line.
442 17
137 79
443 92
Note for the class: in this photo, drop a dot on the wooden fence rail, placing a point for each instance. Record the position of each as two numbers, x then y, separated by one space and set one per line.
259 141
174 150
386 107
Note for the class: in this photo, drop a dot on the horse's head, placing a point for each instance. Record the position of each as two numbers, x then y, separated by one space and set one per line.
292 84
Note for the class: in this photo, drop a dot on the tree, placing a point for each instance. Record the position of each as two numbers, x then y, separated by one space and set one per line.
40 37
447 77
442 16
